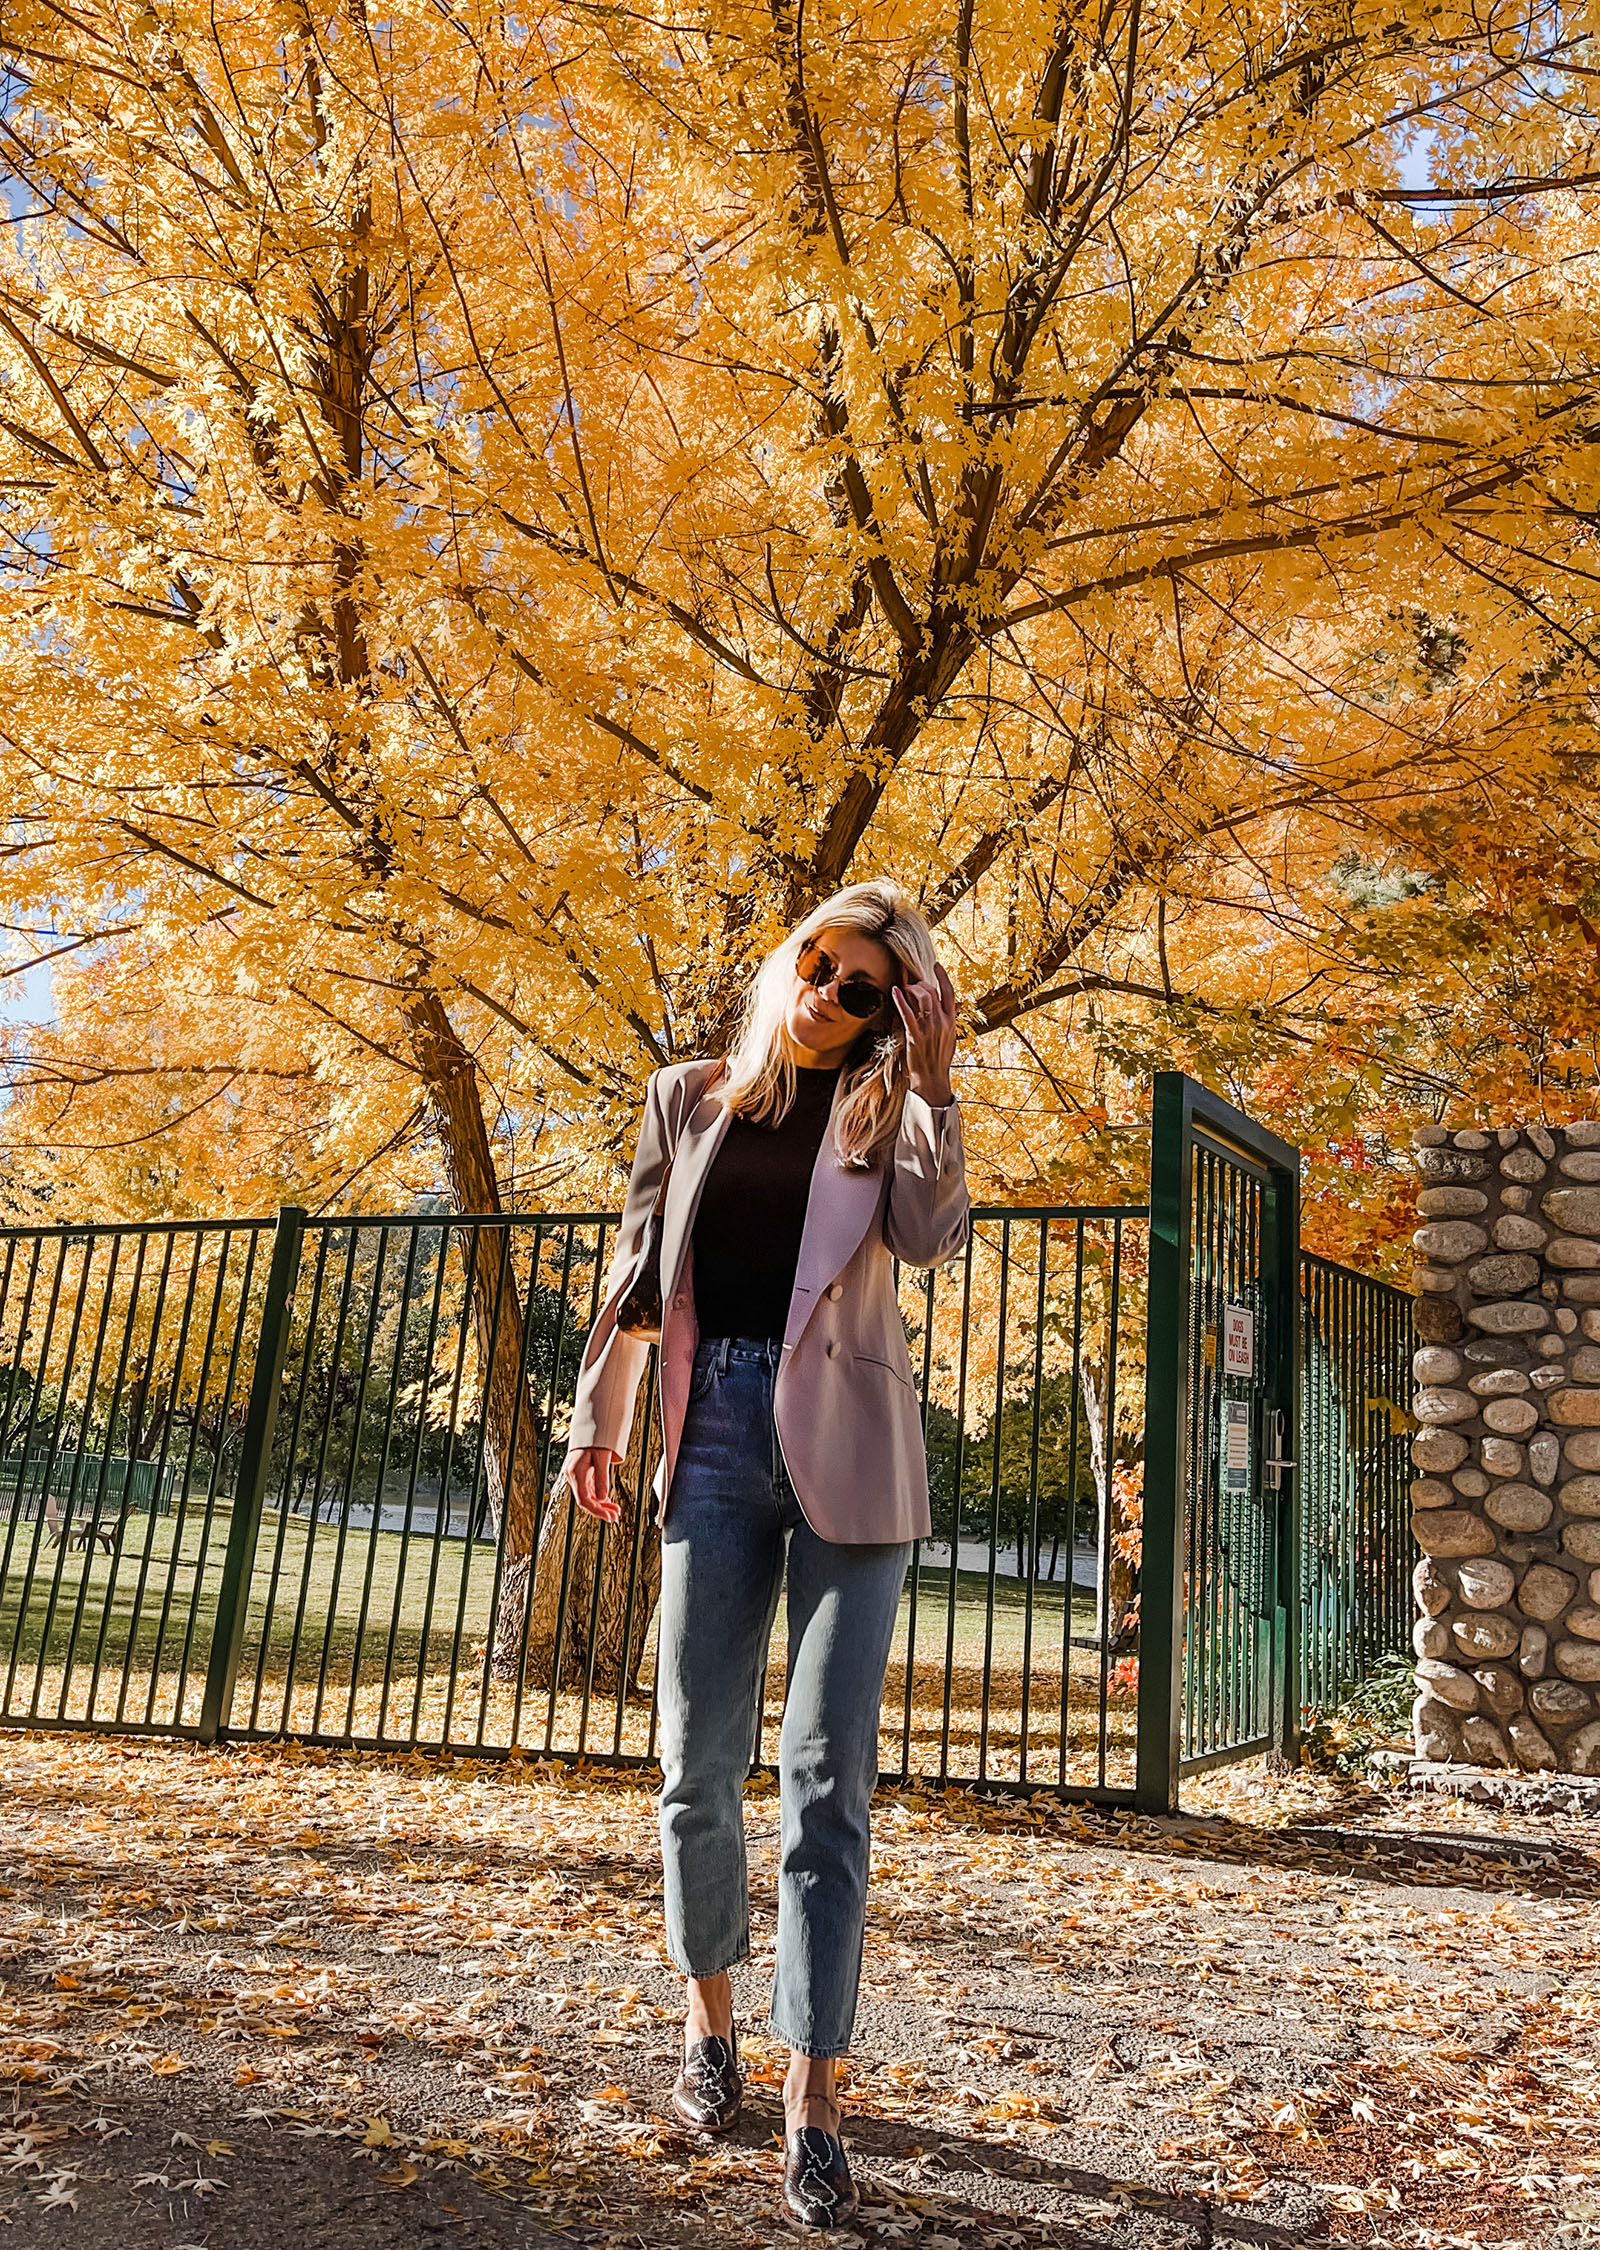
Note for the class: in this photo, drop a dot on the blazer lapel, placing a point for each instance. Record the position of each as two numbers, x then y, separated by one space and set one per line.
698 1142
839 1209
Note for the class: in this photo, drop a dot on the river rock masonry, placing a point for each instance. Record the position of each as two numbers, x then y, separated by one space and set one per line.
1506 1495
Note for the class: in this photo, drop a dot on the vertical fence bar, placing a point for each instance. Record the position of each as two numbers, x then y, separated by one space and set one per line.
527 1313
214 1481
130 1321
468 1254
1166 1442
173 1391
24 1319
960 1469
40 1376
542 1503
91 1530
319 1472
487 1231
381 1473
255 1462
47 1491
302 1388
398 1598
1074 1432
1311 1498
352 1462
996 1451
158 1312
1041 1234
915 1584
1280 1274
1107 1628
184 1479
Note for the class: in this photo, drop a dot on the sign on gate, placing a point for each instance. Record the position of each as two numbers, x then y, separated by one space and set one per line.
1238 1340
1236 1445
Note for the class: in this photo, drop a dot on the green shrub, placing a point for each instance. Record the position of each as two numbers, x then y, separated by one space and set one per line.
1365 1715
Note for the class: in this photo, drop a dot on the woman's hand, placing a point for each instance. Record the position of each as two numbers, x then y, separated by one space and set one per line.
589 1474
928 1012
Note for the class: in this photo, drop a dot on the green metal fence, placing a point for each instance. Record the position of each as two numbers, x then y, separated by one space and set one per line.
254 1483
339 1563
126 1358
1355 1546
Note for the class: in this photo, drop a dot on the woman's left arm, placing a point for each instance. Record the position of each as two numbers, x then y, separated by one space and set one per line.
927 1218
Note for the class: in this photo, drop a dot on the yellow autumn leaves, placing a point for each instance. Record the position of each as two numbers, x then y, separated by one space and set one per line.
499 514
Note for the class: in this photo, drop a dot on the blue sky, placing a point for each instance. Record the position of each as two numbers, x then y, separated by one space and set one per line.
26 998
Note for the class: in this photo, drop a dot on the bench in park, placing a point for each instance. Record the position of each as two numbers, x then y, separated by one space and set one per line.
84 1495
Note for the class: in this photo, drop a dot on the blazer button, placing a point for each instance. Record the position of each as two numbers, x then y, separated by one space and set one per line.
836 1291
832 1348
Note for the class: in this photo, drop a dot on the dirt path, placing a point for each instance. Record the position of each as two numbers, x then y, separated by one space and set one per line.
273 1998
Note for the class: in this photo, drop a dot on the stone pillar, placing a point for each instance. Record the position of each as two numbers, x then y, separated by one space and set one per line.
1506 1501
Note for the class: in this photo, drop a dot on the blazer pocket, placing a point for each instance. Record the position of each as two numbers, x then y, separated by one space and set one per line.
900 1374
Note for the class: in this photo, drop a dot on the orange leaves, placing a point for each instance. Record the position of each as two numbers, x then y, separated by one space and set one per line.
1127 1522
1294 1992
493 621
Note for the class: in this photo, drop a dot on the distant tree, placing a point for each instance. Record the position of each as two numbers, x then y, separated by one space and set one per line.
1044 1493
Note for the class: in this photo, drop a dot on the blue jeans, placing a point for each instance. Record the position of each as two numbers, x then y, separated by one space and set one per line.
733 1514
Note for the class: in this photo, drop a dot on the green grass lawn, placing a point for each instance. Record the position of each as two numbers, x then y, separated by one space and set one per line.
126 1635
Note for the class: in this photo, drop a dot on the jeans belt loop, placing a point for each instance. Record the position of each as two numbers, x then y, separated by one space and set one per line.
723 1342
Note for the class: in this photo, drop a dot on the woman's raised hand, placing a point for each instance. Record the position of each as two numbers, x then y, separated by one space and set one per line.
589 1474
928 1012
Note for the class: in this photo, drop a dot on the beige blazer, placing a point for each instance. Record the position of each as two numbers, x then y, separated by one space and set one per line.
845 1399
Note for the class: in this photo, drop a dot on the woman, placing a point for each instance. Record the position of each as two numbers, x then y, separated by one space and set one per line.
828 1146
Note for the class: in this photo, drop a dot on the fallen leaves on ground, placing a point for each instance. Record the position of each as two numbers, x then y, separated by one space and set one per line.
1299 2013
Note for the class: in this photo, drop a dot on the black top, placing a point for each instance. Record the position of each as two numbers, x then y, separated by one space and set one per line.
752 1213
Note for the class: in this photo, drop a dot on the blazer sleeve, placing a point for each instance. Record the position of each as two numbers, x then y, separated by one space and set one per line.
613 1362
928 1215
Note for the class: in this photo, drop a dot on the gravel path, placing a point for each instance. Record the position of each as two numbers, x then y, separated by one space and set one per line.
269 1996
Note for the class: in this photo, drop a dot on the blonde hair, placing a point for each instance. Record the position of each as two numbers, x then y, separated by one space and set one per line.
759 1081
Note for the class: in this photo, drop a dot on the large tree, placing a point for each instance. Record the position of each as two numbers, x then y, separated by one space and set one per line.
500 512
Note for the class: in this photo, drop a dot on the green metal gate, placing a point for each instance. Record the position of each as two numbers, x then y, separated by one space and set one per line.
244 1486
1219 1667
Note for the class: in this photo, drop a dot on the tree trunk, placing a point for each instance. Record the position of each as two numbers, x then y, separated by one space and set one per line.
1124 1603
511 1445
573 1546
1121 1604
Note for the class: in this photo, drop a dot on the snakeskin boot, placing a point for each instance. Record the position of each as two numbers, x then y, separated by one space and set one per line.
709 2090
818 2192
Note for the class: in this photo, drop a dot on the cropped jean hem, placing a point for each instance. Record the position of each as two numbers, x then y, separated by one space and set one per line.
797 2045
687 1968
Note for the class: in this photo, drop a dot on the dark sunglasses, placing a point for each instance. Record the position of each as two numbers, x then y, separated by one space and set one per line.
857 995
